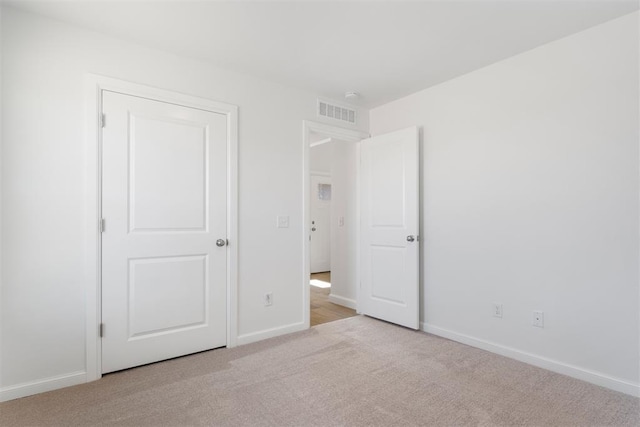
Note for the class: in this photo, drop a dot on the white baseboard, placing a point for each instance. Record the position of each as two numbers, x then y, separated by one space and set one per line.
40 386
539 361
347 302
270 333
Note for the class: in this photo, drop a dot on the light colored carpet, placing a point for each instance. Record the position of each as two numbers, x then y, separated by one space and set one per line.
353 372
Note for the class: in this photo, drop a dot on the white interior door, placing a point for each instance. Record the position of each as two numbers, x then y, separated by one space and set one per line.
164 206
320 251
389 227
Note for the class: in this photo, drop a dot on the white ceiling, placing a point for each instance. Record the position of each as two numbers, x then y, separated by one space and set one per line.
383 50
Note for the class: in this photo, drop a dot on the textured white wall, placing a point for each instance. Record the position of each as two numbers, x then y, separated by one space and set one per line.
344 238
43 186
530 199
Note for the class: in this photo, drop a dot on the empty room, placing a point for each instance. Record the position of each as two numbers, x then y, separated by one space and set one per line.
320 213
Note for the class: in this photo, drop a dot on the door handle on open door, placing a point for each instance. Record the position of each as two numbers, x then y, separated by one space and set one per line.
410 238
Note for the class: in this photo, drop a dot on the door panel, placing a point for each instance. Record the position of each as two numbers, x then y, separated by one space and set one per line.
164 205
167 294
168 170
389 216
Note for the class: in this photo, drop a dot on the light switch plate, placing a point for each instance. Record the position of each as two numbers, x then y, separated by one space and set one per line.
283 221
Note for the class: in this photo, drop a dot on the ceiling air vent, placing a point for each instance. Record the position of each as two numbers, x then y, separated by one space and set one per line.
336 112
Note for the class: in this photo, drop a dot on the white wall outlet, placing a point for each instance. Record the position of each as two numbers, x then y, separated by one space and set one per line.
497 309
282 221
268 299
538 319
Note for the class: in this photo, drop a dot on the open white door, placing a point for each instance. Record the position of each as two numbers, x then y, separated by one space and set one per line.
163 246
389 227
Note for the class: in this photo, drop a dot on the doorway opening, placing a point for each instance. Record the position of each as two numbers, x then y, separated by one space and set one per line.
331 213
327 217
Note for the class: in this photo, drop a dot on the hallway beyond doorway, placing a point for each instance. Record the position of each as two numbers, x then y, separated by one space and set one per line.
323 311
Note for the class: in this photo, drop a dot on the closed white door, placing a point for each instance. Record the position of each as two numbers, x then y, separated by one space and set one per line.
389 227
164 206
320 223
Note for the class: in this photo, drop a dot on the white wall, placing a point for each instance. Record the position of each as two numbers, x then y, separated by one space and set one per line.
530 199
43 189
320 158
344 237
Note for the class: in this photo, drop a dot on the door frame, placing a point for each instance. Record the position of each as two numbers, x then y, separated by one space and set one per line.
350 135
94 85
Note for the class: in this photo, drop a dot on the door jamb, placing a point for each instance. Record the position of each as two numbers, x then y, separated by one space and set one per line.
331 132
94 86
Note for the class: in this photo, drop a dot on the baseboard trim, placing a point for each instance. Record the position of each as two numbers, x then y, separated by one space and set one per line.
41 386
270 333
347 302
593 377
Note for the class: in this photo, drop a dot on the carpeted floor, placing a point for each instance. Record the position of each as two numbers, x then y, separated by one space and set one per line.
353 372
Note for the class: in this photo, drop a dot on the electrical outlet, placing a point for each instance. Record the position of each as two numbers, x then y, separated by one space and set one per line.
268 299
538 319
497 310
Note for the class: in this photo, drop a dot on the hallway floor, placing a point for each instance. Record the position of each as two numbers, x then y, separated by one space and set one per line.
322 310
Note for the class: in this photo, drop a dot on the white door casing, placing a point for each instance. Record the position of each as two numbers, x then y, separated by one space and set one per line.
320 223
164 201
389 195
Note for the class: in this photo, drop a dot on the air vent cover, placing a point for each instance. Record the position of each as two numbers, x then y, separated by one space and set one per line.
336 112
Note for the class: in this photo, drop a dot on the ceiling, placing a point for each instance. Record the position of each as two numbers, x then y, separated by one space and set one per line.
382 50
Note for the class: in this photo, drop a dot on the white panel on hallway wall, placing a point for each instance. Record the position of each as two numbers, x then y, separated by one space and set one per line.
345 223
530 198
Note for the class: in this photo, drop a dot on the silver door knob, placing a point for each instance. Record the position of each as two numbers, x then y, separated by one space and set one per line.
313 229
221 242
410 238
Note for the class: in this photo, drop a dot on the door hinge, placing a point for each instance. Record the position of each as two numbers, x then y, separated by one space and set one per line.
103 119
102 221
101 330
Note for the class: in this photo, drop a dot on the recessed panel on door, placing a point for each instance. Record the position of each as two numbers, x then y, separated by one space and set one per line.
387 267
167 294
387 194
168 174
